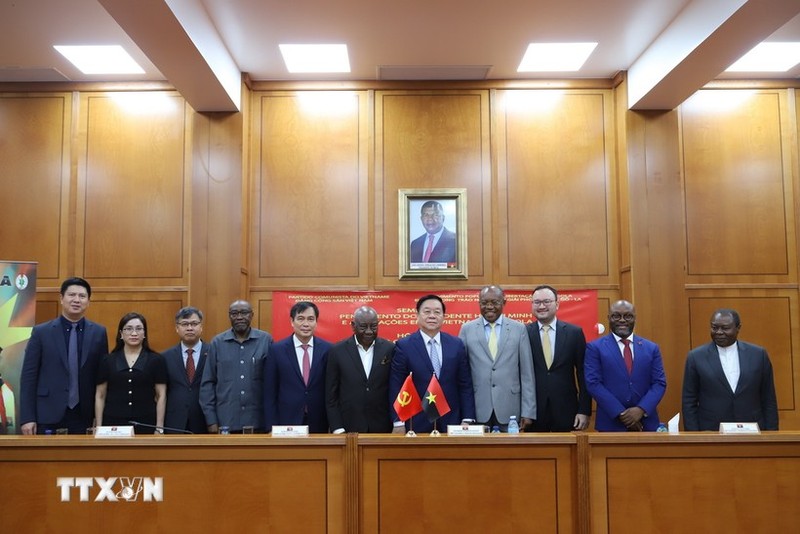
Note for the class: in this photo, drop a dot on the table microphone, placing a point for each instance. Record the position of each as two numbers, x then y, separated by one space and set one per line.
179 430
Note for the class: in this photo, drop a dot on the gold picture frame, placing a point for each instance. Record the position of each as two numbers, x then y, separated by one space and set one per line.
444 212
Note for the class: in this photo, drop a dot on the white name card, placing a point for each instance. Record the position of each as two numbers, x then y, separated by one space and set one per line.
289 431
739 428
103 432
465 430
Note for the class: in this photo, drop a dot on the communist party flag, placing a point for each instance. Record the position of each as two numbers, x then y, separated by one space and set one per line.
434 403
407 403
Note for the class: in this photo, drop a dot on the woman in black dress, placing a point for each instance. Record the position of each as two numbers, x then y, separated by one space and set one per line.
132 380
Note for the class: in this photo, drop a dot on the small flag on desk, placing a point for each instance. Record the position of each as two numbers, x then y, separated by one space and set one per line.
435 404
407 403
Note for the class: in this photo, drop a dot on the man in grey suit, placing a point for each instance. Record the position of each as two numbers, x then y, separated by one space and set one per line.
500 359
185 362
357 378
728 380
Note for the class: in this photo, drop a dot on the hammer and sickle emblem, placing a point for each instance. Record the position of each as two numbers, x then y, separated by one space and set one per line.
404 398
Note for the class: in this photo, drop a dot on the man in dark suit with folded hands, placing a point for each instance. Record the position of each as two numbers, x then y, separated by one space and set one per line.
728 380
357 378
185 362
59 370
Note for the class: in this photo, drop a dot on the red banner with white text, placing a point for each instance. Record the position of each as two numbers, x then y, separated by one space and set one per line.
398 314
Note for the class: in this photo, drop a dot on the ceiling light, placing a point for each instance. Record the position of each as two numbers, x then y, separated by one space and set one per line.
768 57
308 58
555 57
100 59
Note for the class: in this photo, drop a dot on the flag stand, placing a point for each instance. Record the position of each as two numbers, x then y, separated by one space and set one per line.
411 433
435 433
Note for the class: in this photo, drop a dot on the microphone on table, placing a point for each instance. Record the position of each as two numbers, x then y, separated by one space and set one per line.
145 425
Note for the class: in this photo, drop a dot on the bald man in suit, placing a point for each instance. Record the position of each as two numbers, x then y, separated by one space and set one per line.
499 355
728 380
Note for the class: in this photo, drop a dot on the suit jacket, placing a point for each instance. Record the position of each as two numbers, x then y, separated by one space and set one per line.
286 397
355 401
44 380
561 390
504 385
614 390
183 398
707 396
455 378
443 252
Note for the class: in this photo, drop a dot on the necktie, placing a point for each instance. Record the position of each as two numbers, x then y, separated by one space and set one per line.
427 257
437 365
190 365
492 341
306 364
72 355
628 355
546 348
3 415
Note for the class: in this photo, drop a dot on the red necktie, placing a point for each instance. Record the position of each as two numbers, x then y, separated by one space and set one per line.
627 355
189 365
3 416
426 258
306 364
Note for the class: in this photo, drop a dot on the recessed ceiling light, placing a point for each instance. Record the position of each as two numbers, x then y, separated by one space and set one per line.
112 59
768 57
555 57
315 58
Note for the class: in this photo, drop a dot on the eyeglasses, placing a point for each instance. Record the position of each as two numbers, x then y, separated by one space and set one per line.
435 313
187 324
240 313
129 329
619 316
494 303
545 302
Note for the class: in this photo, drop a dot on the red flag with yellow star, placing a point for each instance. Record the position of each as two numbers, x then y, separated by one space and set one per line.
407 403
434 403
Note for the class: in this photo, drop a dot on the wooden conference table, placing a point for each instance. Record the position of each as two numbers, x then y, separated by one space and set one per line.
577 482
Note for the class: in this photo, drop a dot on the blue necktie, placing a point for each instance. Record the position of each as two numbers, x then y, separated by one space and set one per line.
437 365
72 354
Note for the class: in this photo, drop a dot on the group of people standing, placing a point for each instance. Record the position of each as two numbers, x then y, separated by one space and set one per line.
543 373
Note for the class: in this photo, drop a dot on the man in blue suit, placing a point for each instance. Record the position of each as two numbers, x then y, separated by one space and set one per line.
428 351
625 375
59 369
185 362
294 374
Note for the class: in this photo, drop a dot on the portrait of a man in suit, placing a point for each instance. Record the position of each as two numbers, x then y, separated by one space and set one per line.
437 244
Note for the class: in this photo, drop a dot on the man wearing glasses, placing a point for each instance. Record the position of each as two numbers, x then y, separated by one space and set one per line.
625 375
185 362
563 404
231 391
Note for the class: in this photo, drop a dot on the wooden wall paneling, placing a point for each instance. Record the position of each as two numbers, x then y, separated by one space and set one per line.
769 319
215 266
432 139
739 187
262 304
556 187
309 216
34 150
133 174
157 307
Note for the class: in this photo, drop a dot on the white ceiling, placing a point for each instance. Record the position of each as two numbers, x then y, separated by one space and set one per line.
670 48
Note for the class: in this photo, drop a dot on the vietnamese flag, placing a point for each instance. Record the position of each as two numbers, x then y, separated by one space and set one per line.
407 403
435 404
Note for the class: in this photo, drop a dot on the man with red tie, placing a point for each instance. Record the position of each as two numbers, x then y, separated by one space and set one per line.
625 375
185 362
437 244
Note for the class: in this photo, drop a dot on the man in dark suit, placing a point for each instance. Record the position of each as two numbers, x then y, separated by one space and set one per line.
437 244
59 369
625 375
185 362
294 374
728 380
428 351
558 350
357 378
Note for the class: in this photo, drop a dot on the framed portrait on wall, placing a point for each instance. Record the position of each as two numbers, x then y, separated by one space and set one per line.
433 233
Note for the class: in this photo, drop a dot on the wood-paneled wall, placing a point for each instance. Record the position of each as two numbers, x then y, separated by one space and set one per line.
680 211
